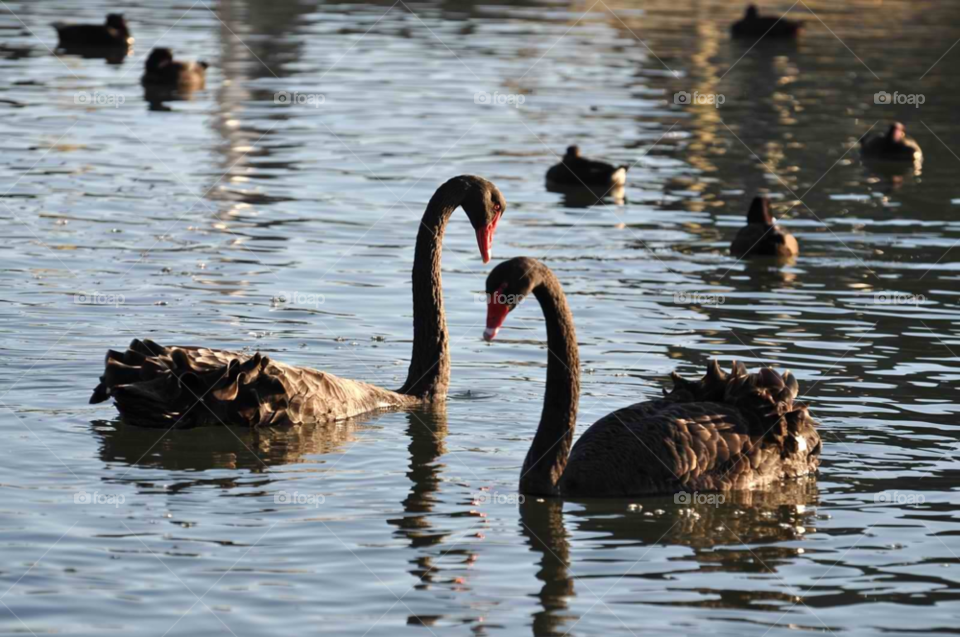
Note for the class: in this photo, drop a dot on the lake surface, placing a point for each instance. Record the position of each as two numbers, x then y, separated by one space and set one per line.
186 221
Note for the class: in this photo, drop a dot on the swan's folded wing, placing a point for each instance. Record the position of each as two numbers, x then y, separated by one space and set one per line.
724 431
656 447
184 387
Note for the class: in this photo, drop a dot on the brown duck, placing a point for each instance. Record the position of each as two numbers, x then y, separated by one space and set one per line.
183 387
725 431
162 71
762 237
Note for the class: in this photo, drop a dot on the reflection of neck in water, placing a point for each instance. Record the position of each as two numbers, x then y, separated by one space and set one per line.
542 524
427 431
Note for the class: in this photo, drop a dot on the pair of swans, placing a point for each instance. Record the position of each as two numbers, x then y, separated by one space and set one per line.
726 431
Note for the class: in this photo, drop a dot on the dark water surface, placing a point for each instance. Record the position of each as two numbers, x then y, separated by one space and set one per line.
184 221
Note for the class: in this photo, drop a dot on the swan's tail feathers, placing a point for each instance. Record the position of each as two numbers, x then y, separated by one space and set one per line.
184 387
767 401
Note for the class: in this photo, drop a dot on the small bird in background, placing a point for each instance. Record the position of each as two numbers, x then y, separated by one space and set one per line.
113 33
761 237
162 71
575 170
893 145
753 25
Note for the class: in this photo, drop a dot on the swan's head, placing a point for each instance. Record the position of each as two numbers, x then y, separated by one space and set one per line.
896 132
760 212
507 285
484 204
572 152
752 12
159 58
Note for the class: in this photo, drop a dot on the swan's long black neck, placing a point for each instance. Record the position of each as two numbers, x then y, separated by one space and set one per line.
429 373
551 445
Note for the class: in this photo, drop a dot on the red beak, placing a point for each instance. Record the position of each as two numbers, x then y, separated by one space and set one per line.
496 315
485 239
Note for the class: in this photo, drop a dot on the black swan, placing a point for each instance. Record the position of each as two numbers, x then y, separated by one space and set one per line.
578 171
753 25
114 33
894 145
183 387
762 237
163 71
723 432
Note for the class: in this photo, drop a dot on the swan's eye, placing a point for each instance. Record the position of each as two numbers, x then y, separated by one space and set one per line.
496 208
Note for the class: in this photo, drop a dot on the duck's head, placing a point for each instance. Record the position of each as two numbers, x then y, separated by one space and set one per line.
572 152
760 211
752 12
159 58
116 21
896 132
507 285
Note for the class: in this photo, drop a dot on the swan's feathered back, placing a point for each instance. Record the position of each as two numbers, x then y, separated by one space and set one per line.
766 400
725 431
184 387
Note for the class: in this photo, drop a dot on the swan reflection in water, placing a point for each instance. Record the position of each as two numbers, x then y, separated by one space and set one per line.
206 448
744 534
427 431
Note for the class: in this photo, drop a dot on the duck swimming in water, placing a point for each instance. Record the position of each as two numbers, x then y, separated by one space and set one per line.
753 25
114 33
162 71
575 170
762 237
892 146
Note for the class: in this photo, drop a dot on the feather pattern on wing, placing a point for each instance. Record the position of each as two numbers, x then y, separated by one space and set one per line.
725 431
184 387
